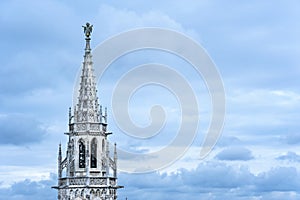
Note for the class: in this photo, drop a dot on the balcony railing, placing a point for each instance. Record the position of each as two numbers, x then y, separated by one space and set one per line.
99 181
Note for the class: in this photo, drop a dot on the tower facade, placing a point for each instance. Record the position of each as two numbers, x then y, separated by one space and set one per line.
88 171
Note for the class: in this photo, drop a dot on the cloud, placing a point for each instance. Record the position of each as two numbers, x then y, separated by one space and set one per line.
278 179
292 138
212 180
290 156
235 153
216 175
27 189
228 141
19 129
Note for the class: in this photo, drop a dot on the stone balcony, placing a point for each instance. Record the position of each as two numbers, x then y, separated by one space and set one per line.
91 181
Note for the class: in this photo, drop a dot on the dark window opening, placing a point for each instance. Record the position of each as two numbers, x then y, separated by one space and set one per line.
94 154
81 155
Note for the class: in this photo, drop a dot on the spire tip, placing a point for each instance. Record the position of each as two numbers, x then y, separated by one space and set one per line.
88 28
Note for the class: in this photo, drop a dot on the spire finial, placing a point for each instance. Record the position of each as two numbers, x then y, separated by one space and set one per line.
87 31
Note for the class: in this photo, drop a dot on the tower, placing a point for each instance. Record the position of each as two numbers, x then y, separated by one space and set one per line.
88 171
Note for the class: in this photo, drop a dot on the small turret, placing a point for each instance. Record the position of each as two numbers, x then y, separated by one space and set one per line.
107 157
70 120
105 115
101 115
115 160
59 162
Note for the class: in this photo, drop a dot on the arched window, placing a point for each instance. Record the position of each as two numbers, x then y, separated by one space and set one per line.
81 154
92 192
98 193
71 194
77 193
94 153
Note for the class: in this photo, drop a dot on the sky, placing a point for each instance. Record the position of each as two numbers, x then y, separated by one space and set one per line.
254 45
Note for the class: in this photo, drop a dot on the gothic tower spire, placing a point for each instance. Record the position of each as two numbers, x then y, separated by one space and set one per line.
89 170
87 108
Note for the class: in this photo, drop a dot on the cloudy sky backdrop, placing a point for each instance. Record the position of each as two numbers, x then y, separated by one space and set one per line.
255 46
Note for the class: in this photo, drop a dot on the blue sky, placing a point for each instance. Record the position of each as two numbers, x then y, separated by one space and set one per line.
255 46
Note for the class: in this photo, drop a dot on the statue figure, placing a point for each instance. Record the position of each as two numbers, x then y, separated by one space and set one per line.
88 29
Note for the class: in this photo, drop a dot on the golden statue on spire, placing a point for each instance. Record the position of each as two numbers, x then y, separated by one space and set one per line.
87 29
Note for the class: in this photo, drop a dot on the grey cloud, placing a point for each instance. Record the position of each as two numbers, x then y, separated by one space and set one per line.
228 141
278 179
28 189
19 129
292 138
290 156
235 153
210 180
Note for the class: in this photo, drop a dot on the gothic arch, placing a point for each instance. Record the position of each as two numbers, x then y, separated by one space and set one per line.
92 192
81 154
77 193
94 153
71 194
98 193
